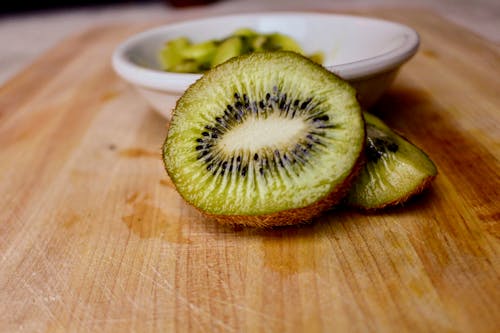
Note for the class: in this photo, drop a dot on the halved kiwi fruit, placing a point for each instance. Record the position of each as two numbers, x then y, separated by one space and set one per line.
265 139
395 169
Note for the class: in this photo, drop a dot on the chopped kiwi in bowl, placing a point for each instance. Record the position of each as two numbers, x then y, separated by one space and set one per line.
181 55
265 139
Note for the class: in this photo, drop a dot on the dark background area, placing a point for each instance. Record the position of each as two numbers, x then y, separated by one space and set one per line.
24 6
29 6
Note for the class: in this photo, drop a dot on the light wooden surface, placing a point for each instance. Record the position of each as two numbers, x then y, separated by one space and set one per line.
93 237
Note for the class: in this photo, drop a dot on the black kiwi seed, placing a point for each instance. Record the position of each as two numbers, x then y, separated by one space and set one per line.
321 118
282 101
305 103
393 147
377 147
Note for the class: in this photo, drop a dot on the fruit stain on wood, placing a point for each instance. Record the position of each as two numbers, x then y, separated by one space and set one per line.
148 221
291 250
167 182
138 153
109 95
430 54
71 220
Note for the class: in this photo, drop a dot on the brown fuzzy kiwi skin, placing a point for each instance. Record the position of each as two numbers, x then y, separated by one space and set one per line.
292 216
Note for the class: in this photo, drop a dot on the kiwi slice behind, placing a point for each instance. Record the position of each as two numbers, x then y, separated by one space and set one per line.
395 169
265 139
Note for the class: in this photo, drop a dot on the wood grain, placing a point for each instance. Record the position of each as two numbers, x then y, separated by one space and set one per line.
93 236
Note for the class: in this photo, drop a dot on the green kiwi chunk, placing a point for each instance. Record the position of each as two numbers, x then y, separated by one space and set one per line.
277 41
231 47
201 52
317 57
245 32
170 55
395 169
269 138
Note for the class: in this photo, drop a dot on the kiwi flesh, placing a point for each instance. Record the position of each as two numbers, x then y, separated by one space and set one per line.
181 55
395 169
170 55
231 47
265 139
278 41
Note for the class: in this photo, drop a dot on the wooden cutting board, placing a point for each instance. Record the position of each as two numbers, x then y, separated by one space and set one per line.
93 236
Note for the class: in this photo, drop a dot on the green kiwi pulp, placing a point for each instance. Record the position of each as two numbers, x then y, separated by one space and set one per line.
265 139
182 56
395 169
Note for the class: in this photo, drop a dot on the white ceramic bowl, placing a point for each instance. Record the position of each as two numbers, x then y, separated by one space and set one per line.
366 52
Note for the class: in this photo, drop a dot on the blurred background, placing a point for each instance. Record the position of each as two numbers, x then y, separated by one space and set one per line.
29 28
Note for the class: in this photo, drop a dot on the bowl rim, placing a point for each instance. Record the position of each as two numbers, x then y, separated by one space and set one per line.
178 82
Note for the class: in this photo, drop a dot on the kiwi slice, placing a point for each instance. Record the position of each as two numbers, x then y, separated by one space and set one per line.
265 139
395 169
